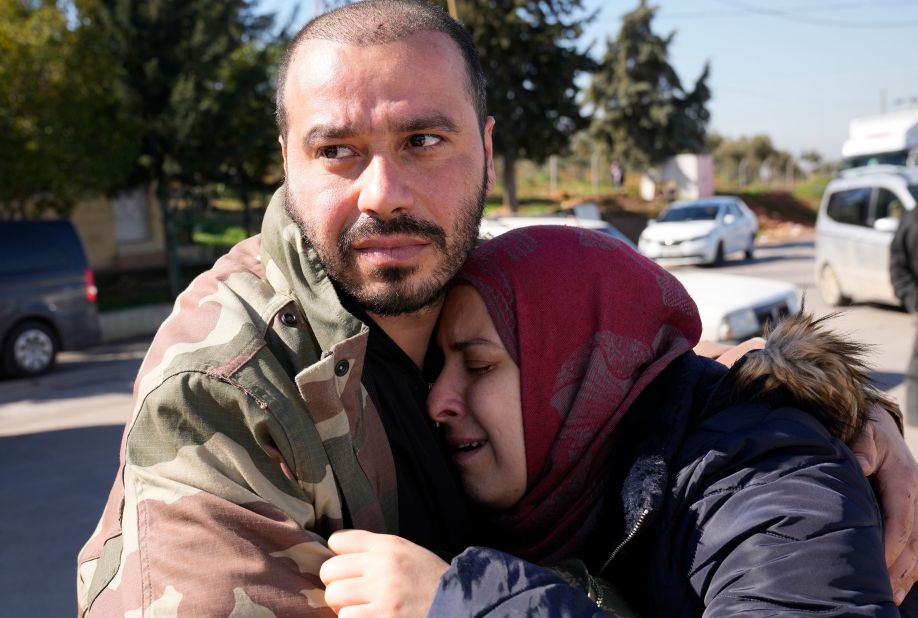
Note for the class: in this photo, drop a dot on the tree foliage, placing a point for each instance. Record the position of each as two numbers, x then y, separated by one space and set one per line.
170 56
185 70
641 113
530 58
63 135
744 159
237 120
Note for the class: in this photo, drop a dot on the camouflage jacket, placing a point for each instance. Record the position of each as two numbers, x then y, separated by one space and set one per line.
251 439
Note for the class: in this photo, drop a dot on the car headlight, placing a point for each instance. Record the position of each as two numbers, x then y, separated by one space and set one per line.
738 324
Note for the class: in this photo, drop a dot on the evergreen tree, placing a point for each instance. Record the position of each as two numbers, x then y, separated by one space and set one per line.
170 54
530 58
238 120
641 114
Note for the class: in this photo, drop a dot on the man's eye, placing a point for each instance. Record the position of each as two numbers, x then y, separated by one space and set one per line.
424 140
335 152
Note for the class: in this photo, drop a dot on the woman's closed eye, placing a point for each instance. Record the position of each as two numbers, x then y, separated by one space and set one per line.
479 368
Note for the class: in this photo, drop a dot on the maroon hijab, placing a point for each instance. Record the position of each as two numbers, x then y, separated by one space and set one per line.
590 323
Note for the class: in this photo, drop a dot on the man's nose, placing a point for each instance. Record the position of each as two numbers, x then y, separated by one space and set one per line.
385 190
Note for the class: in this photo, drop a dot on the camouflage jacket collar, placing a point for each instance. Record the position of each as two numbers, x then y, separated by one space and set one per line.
294 268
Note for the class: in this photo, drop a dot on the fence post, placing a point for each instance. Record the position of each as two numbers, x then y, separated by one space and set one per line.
741 172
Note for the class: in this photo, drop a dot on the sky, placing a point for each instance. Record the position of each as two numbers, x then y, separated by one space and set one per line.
796 70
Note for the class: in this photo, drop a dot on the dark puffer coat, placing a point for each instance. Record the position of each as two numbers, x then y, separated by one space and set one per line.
719 509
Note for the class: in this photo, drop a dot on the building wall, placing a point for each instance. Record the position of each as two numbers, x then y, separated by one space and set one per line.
123 232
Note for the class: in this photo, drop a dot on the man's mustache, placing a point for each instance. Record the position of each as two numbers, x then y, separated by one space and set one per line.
367 227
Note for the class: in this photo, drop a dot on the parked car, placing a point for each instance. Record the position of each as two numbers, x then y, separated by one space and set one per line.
736 307
47 295
702 231
858 216
732 307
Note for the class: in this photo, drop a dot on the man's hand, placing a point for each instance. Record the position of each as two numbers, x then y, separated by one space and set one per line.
883 454
726 354
379 575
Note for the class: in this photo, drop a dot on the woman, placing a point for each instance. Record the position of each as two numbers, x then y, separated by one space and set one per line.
584 425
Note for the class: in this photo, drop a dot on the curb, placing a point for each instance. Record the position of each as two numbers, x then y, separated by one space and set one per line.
134 322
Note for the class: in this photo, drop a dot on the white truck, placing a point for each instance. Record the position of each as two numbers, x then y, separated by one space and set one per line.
886 139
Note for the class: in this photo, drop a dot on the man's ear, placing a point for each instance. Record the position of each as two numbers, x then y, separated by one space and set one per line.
489 153
283 145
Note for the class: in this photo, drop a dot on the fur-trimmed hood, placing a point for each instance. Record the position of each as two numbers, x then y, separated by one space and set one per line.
806 365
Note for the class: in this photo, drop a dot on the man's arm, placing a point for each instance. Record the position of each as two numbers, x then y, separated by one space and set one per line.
207 517
780 522
883 454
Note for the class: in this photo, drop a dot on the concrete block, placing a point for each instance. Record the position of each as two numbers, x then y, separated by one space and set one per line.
132 322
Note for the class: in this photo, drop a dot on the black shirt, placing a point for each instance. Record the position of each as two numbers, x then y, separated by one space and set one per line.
432 510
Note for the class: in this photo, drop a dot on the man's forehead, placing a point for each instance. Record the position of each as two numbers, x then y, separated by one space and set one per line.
313 55
339 86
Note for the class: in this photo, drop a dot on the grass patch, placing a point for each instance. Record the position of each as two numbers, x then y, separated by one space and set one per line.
226 237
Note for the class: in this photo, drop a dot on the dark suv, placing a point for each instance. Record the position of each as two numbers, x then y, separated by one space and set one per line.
47 295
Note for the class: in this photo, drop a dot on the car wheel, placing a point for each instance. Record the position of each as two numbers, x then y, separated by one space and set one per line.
829 288
718 254
750 248
31 348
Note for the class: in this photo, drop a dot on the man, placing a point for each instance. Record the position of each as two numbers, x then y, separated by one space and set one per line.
284 397
903 272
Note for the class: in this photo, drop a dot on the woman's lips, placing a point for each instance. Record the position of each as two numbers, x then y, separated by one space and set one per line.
463 450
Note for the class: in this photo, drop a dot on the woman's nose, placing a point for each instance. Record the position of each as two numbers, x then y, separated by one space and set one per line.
444 402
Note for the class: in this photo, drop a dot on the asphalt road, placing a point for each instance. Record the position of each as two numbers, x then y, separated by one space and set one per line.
60 434
59 439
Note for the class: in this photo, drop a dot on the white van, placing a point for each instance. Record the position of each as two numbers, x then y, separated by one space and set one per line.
857 218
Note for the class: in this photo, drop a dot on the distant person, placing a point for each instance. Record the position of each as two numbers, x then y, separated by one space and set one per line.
903 272
618 174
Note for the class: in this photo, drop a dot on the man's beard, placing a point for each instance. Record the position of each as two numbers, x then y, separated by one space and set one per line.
398 295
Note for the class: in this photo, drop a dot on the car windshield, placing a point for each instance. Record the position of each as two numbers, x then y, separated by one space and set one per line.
700 212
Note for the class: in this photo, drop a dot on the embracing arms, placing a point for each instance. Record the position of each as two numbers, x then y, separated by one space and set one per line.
210 513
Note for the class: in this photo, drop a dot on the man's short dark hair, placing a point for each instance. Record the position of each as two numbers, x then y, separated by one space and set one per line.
376 22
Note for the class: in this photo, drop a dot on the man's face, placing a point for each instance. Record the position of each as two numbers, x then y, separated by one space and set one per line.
386 167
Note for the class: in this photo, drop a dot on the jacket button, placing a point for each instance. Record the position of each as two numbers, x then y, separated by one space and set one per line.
289 319
341 368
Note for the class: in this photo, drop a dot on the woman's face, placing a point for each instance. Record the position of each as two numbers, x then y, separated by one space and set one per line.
476 399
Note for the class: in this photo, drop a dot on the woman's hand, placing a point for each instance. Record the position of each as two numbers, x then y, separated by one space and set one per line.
379 575
884 455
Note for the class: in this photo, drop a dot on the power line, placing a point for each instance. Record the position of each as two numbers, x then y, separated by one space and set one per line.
740 11
817 21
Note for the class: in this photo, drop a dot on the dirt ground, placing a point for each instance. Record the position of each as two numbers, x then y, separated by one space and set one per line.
781 216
